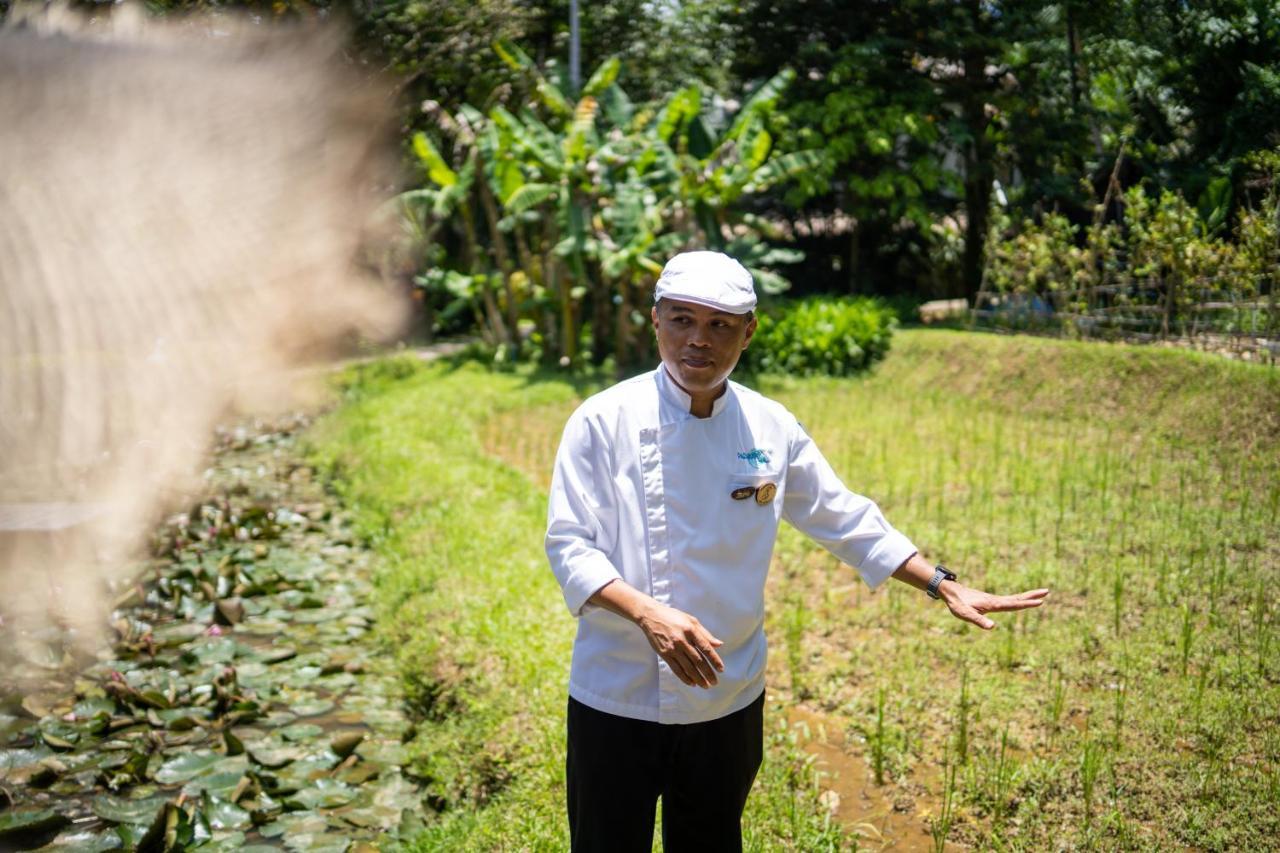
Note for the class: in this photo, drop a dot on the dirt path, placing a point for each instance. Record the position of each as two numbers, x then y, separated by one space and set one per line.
242 703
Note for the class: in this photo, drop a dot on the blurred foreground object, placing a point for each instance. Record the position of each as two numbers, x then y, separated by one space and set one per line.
180 208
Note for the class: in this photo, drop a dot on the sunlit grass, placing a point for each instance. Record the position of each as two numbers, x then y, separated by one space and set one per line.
472 614
1143 486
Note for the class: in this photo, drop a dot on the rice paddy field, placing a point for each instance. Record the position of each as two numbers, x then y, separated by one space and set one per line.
1139 709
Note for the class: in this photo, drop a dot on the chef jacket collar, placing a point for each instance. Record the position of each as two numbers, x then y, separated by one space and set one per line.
674 393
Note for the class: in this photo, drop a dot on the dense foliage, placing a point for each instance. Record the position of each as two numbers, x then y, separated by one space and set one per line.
923 106
885 145
921 129
1160 267
556 217
821 337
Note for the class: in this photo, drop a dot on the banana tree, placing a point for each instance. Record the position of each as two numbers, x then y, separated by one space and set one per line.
711 171
562 181
449 199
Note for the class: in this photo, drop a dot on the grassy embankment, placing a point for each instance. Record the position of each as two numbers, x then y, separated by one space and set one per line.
473 615
1139 709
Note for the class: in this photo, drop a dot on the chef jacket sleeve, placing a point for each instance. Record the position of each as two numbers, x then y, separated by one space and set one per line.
848 525
580 513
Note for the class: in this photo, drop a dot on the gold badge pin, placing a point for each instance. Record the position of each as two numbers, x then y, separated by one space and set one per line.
765 493
743 493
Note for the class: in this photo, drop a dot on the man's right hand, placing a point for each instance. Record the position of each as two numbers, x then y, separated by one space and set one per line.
678 638
681 640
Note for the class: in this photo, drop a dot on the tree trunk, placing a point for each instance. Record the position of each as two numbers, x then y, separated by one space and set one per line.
601 319
855 256
979 171
503 259
497 332
622 328
428 310
562 331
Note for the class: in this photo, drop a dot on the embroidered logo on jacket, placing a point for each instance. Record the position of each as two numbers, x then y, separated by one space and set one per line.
757 457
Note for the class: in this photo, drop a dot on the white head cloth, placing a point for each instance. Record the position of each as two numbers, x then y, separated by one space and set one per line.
707 278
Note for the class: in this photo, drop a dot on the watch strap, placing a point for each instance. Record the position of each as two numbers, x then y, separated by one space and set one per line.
940 573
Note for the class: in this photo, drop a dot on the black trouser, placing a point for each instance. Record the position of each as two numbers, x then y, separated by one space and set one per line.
617 768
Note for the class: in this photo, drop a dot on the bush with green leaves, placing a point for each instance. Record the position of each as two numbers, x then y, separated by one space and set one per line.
1162 268
821 337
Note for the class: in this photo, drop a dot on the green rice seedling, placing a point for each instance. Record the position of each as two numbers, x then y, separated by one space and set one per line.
1092 756
1242 677
878 741
1057 699
1117 598
1121 694
1188 635
1007 656
940 827
797 620
1275 505
1003 776
1261 629
1217 582
1182 493
1198 697
1161 577
962 718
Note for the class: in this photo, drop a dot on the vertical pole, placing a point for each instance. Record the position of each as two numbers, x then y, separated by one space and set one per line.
575 58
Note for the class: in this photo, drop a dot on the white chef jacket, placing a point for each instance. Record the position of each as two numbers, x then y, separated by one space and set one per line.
642 491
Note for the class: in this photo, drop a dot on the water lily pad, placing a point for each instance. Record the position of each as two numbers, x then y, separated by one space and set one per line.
360 773
222 782
275 757
19 759
124 810
228 611
251 669
279 718
311 617
323 794
294 824
301 731
383 751
222 814
317 843
177 633
86 841
397 792
228 842
58 734
304 771
187 766
215 650
29 822
89 707
311 707
277 655
345 743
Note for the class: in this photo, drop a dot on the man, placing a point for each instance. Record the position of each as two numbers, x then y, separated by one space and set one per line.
665 502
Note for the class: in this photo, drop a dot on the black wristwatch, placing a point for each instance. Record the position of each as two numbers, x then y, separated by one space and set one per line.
940 574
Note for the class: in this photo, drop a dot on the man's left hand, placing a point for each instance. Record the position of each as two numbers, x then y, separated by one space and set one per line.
971 604
964 602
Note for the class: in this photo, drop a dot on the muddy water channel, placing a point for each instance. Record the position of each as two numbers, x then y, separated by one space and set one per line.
881 820
240 703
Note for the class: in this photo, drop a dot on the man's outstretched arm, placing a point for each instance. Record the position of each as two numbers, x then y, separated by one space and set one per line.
964 602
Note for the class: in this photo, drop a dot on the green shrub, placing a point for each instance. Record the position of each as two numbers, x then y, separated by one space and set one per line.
821 337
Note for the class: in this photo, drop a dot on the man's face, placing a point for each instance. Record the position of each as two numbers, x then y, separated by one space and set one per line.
700 345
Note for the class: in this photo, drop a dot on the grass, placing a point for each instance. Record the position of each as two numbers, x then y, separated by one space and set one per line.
1138 709
473 616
